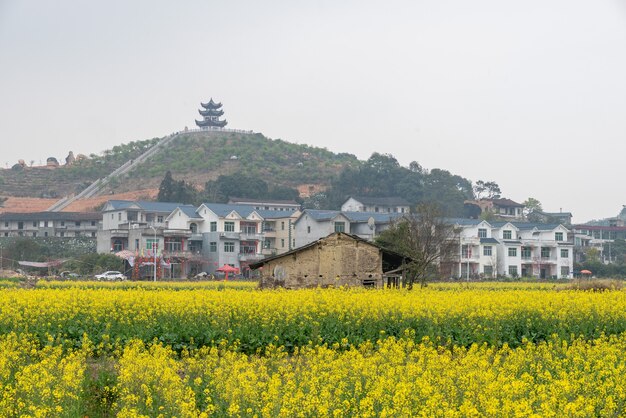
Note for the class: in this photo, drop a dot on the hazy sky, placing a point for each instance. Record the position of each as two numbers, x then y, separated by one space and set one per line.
530 94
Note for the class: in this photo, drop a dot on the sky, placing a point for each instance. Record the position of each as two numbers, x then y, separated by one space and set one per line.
529 94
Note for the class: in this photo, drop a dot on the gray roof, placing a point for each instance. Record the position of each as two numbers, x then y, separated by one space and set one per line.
488 241
379 218
223 209
147 205
241 200
51 216
190 211
383 201
321 215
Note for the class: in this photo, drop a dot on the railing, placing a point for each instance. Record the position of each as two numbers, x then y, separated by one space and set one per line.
250 256
95 187
229 235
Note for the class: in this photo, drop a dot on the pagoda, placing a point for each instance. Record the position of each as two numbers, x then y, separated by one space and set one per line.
211 113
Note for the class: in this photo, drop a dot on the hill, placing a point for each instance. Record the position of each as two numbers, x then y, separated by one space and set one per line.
195 157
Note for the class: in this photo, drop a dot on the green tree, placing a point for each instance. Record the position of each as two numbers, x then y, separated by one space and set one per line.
166 188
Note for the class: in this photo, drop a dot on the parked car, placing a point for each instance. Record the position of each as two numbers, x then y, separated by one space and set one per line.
111 275
68 275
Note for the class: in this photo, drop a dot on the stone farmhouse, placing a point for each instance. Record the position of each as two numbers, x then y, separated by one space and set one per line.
339 259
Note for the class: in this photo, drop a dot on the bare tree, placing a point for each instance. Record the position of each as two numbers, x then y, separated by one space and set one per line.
425 238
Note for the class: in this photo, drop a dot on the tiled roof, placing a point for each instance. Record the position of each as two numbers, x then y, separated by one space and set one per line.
190 211
51 216
379 218
146 205
488 241
223 209
321 215
241 200
383 201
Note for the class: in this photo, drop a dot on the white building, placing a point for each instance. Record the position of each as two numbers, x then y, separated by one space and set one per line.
512 249
376 205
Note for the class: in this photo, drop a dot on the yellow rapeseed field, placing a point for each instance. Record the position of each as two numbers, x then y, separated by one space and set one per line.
451 351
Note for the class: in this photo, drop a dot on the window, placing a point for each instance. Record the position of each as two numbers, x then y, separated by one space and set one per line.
160 218
466 251
482 233
564 253
564 271
267 244
282 225
506 234
282 243
77 223
62 234
174 244
34 234
6 234
213 247
513 271
93 223
45 224
20 225
526 252
213 226
229 226
340 227
488 271
136 242
93 234
558 236
45 234
487 250
150 242
63 223
512 252
6 224
229 247
35 224
545 252
308 229
119 216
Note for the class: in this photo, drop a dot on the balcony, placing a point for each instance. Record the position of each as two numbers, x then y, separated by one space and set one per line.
179 253
269 252
250 257
229 235
195 237
119 232
251 236
177 233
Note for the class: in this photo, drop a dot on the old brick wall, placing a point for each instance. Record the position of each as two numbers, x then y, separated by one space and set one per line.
337 260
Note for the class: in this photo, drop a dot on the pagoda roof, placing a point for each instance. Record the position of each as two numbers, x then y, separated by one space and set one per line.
209 122
211 112
211 105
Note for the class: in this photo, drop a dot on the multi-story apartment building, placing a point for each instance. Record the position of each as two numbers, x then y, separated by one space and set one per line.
513 249
188 240
50 224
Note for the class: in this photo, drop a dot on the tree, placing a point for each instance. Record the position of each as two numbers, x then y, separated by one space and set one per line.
531 205
425 238
490 188
180 191
166 188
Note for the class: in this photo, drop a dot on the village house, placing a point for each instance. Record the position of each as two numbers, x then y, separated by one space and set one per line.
376 205
502 208
50 224
312 225
512 249
339 259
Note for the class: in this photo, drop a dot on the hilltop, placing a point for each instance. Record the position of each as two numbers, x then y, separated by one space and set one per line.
195 157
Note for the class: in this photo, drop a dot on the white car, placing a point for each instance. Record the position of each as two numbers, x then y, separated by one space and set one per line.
111 275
